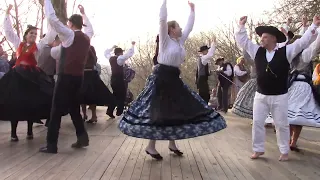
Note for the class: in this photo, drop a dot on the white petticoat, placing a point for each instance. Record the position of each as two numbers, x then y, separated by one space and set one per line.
302 107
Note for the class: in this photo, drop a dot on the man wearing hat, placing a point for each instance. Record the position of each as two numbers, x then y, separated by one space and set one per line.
272 67
225 77
118 84
202 74
74 50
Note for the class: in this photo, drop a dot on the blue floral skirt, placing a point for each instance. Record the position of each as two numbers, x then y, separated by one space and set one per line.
167 109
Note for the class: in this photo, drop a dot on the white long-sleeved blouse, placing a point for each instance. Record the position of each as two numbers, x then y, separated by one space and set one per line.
122 58
65 34
172 51
15 40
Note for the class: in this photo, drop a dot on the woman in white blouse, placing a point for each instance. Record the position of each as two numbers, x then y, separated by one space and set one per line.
167 109
25 91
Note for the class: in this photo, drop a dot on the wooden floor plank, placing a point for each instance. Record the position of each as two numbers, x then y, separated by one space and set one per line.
113 156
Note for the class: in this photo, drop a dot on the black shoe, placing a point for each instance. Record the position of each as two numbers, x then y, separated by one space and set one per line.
39 122
14 139
29 136
82 141
119 112
155 156
51 149
110 114
177 152
92 121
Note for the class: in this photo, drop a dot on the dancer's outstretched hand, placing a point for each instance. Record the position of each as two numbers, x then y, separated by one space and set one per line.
243 20
316 20
191 5
81 8
9 8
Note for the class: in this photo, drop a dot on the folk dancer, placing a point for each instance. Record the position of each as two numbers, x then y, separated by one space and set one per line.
75 47
272 67
25 91
167 109
203 73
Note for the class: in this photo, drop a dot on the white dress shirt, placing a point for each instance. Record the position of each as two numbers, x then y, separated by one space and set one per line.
228 70
205 59
122 58
66 35
238 72
12 37
171 51
292 50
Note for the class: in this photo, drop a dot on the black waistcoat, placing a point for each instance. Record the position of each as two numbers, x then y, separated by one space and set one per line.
223 78
272 77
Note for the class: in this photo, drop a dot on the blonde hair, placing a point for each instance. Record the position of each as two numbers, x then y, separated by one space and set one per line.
239 59
316 70
171 24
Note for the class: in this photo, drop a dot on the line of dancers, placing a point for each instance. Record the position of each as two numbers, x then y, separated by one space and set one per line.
166 108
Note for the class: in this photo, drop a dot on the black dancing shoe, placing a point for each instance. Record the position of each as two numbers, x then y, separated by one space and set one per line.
14 139
50 149
92 121
155 156
82 141
39 122
110 114
29 136
177 152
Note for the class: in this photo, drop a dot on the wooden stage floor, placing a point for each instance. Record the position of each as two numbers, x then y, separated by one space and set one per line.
112 155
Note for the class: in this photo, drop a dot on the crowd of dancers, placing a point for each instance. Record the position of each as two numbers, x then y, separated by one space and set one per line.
166 108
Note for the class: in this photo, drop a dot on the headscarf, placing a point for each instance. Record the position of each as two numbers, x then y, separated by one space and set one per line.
239 59
317 73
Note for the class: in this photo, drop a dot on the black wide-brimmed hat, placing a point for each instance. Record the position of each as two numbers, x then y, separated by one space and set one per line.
77 20
203 48
273 31
118 50
219 59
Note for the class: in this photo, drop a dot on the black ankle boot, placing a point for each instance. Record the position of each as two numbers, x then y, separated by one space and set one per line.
82 141
50 148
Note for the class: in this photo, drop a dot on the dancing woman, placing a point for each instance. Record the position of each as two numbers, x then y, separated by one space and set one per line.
167 109
25 91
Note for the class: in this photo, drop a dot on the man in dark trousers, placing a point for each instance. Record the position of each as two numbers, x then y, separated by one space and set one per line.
225 77
202 74
74 50
117 78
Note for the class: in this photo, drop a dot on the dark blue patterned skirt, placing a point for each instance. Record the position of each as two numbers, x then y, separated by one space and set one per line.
167 109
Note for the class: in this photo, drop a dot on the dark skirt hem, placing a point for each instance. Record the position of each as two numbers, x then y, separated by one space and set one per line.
95 92
25 94
185 131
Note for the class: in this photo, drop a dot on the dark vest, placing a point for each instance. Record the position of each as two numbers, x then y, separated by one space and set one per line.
117 71
223 81
74 57
203 70
46 62
91 58
274 80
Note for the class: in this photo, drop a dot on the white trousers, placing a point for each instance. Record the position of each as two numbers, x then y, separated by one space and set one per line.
278 107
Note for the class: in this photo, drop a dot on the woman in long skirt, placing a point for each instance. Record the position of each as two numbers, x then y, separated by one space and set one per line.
167 109
94 91
25 91
243 104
